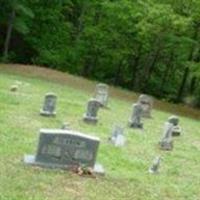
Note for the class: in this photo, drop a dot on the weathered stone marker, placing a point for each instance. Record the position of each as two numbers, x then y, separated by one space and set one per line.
117 138
147 105
14 88
154 169
176 128
101 94
49 105
135 120
166 142
65 149
92 109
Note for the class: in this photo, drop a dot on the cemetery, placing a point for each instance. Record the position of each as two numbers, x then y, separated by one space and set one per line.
74 149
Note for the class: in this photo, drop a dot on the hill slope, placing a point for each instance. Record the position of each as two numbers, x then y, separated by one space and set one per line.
126 168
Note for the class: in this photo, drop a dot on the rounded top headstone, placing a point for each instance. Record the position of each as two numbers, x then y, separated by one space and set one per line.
144 98
173 120
50 94
102 87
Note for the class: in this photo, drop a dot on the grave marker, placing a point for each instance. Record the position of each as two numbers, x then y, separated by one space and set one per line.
135 120
117 138
166 142
92 110
49 105
147 105
176 128
65 149
101 94
154 169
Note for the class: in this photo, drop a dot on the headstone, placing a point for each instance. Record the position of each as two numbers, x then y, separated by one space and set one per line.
147 105
117 138
135 120
166 142
176 128
155 166
101 94
92 110
14 88
65 149
49 105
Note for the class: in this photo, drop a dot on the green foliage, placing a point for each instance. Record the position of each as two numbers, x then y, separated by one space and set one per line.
144 46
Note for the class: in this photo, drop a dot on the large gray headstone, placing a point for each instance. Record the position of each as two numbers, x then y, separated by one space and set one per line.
49 106
135 120
166 143
101 94
64 149
176 128
92 110
147 104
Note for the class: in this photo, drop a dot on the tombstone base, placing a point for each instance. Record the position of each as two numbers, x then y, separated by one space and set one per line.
103 105
152 171
135 125
91 120
31 160
166 145
176 131
47 114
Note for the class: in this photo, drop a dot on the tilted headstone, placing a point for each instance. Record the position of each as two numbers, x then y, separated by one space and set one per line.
64 149
49 105
166 142
92 110
155 166
176 128
147 105
135 120
101 94
117 138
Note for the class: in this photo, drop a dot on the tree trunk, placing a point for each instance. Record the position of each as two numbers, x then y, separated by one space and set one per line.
86 68
134 63
169 66
117 79
193 85
182 86
187 70
149 68
8 36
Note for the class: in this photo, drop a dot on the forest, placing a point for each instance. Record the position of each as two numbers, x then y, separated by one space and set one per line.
147 46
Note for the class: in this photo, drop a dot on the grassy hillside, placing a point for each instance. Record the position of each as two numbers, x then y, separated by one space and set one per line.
126 168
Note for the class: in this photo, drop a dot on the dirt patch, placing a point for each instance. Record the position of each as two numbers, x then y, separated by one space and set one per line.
88 86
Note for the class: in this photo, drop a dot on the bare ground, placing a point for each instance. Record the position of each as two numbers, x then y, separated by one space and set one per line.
88 86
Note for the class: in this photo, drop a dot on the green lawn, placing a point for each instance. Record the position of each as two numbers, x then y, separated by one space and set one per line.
127 176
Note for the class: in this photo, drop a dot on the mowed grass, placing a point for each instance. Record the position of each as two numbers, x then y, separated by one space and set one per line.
127 176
